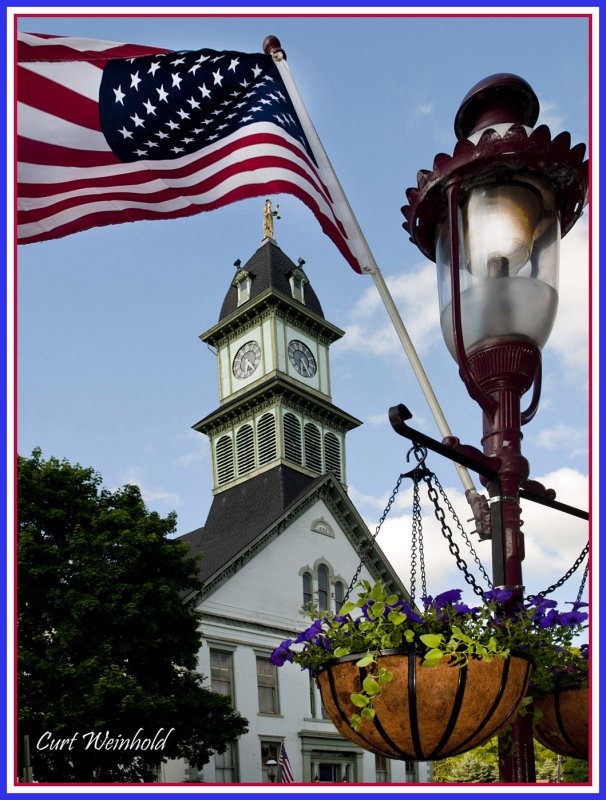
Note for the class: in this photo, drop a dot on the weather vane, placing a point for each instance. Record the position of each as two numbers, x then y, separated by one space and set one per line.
268 220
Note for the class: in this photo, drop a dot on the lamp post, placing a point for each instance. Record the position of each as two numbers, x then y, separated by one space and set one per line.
272 769
491 216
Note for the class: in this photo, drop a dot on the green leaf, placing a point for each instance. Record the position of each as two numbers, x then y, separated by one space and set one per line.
396 617
377 592
409 636
376 610
432 639
369 713
346 608
359 700
433 657
364 662
371 686
342 651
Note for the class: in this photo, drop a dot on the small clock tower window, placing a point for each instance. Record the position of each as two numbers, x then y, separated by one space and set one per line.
245 449
266 438
243 283
313 447
297 280
224 456
292 438
332 455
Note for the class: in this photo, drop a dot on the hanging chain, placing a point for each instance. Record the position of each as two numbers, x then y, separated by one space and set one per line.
366 551
417 536
583 581
565 577
462 530
447 533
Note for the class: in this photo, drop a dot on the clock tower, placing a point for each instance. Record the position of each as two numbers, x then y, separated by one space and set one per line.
282 534
272 343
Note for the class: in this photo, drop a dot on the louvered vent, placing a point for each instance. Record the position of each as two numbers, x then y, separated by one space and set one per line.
292 438
224 454
245 449
313 447
332 455
266 438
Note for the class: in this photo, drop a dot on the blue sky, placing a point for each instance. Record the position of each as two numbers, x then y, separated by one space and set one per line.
112 373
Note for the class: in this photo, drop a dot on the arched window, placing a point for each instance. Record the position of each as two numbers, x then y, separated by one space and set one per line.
308 597
266 438
323 595
313 447
339 595
245 449
332 455
292 438
224 456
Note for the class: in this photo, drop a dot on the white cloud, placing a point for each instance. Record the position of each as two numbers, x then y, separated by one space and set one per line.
199 451
370 330
151 494
551 116
569 339
552 540
560 436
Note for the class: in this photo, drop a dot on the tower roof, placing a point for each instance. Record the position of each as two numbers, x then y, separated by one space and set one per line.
270 268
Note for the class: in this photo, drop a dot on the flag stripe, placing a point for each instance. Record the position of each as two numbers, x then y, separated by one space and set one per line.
43 127
117 207
45 47
225 160
47 93
285 768
162 189
30 151
107 140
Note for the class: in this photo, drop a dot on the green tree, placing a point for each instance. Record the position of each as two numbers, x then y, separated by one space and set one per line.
106 645
480 765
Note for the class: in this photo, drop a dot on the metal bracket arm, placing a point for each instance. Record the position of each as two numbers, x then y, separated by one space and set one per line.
474 459
450 448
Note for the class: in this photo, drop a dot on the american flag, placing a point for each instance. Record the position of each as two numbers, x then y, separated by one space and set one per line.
284 764
111 133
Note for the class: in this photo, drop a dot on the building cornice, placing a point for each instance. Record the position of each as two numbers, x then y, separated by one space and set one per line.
291 311
278 387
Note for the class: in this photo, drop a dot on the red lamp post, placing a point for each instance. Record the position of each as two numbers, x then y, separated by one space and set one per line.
491 216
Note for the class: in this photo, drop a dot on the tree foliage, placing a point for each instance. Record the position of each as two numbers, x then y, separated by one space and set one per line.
480 765
106 645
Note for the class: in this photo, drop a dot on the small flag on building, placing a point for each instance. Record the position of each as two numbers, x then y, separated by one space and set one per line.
284 764
111 133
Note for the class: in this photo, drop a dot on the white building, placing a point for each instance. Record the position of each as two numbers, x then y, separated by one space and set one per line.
281 532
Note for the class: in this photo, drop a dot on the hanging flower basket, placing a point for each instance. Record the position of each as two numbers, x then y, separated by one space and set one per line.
564 725
425 714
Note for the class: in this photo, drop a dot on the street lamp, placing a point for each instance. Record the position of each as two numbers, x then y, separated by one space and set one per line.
491 216
272 769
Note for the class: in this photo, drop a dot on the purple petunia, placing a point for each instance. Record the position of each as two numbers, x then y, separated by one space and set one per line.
446 598
540 604
498 595
569 618
282 653
548 620
308 634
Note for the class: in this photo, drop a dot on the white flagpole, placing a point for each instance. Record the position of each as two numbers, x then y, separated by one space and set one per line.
362 251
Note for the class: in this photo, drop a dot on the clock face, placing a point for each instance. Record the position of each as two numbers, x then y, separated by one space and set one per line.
246 360
302 359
